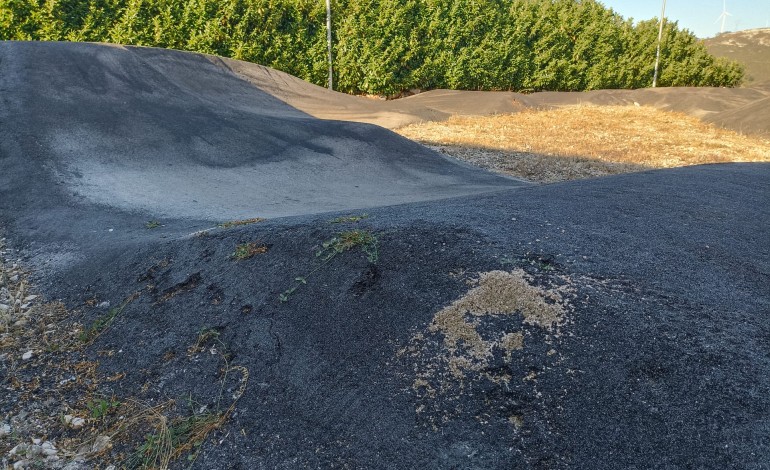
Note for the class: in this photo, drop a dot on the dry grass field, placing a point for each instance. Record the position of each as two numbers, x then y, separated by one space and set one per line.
577 142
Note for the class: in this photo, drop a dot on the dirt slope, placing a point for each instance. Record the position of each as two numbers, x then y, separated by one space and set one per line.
750 47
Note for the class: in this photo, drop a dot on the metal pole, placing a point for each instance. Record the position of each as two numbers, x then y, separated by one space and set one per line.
660 37
329 40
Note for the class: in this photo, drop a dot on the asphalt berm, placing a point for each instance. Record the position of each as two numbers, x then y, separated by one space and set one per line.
438 317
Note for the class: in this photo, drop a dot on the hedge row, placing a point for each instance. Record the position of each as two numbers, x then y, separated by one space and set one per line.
386 46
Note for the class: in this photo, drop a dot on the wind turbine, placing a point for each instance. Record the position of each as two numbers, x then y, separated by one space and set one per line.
723 16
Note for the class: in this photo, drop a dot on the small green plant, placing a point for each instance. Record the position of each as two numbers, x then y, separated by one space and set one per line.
247 250
235 223
340 243
346 241
349 219
152 224
101 407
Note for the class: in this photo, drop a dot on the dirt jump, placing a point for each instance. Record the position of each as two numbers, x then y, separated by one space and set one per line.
229 239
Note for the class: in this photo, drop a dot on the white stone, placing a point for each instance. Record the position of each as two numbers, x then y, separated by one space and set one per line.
30 298
101 443
36 441
5 429
20 464
77 423
27 355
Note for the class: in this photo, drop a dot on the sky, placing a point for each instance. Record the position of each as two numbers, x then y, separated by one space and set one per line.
699 16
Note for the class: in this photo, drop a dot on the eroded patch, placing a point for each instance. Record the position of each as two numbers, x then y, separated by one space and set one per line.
479 339
497 293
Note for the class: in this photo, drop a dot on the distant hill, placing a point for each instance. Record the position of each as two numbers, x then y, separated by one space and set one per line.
750 47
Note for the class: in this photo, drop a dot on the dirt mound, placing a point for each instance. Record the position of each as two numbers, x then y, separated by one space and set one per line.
611 323
180 134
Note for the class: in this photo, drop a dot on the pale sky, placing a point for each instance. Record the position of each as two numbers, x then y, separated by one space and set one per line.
699 16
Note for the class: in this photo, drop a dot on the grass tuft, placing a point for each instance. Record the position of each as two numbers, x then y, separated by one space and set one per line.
346 241
103 322
340 243
247 250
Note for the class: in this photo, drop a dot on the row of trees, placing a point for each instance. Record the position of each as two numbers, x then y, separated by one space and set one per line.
386 46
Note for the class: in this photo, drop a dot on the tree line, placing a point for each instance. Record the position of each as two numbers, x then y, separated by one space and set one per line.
387 46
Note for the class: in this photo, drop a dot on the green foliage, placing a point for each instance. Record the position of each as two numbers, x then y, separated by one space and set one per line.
101 407
387 46
340 243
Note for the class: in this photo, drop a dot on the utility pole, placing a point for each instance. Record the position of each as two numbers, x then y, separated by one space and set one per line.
660 38
329 41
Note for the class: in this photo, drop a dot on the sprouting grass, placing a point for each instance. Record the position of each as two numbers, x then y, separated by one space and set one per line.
152 224
99 408
104 321
349 219
340 243
236 223
172 439
248 250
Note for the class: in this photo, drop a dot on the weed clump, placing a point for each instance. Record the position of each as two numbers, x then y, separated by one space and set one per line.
248 250
340 243
346 241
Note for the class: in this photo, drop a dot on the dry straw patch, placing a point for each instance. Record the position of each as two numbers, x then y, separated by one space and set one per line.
575 142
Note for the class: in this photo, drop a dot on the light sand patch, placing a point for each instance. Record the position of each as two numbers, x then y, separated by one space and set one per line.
459 325
477 336
497 293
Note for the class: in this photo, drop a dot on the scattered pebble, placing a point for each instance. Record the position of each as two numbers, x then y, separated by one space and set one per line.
104 305
27 355
5 429
74 421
